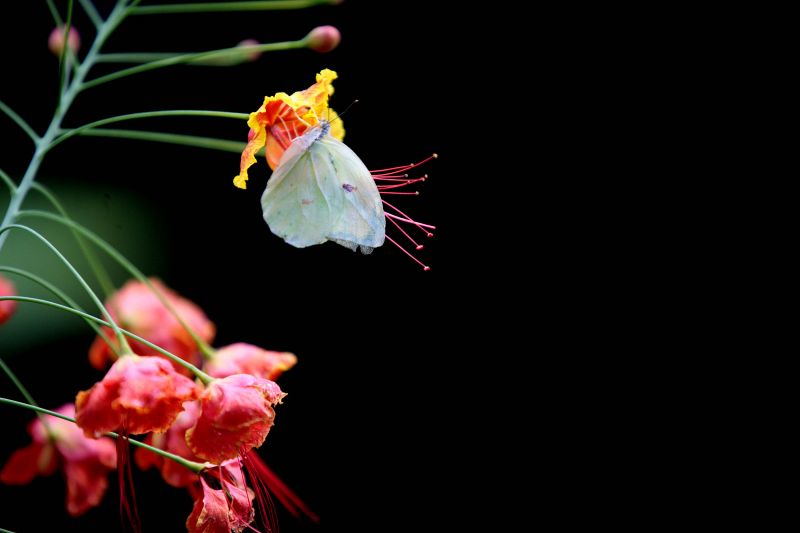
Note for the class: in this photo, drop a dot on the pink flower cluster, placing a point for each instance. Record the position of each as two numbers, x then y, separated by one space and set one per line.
215 422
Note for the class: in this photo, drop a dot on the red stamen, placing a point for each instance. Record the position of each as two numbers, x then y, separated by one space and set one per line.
408 218
389 177
420 225
263 478
404 167
398 185
416 244
128 510
420 263
415 193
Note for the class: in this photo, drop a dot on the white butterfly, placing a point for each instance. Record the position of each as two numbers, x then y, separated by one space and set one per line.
321 191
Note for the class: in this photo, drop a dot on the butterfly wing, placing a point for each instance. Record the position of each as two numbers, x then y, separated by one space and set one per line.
360 222
322 191
301 199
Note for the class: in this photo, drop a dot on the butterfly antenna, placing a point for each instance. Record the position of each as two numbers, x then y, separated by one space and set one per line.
339 117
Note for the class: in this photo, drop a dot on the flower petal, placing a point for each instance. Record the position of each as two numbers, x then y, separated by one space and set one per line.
236 416
24 464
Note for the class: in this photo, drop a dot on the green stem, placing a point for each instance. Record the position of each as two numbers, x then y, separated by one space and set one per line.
120 337
191 465
188 58
92 13
230 6
62 70
171 138
66 134
207 350
54 13
19 120
42 144
12 187
205 378
97 267
61 295
25 394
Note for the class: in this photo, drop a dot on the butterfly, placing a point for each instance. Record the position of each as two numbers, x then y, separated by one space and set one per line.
321 191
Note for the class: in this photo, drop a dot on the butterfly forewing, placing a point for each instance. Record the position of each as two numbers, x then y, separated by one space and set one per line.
322 191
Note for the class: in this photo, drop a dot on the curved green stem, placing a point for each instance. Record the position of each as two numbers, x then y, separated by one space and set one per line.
191 465
12 187
99 272
188 58
209 143
205 378
92 13
216 7
21 388
63 70
61 295
66 134
54 12
207 350
19 121
120 337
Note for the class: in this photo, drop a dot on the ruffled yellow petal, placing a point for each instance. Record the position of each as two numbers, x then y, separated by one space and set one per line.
282 118
316 97
258 138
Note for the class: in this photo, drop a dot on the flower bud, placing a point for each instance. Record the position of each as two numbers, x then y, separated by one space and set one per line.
56 40
324 38
6 306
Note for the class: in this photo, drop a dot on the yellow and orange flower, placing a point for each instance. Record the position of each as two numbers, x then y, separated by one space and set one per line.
282 118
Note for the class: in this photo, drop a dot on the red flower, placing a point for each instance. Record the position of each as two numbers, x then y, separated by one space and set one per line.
136 308
223 502
138 394
242 358
7 307
236 416
86 462
173 441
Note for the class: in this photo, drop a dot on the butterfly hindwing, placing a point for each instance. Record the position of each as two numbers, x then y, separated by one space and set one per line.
360 221
322 191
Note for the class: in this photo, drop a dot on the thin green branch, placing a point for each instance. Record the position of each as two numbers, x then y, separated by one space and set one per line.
17 383
19 120
65 51
191 465
61 295
12 187
150 114
245 54
171 138
97 268
114 19
136 57
92 13
21 388
216 7
120 337
188 58
127 265
205 378
54 12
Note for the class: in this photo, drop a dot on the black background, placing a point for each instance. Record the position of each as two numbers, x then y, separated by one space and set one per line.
379 405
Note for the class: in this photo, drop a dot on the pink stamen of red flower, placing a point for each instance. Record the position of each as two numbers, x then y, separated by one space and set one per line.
264 480
128 510
398 178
